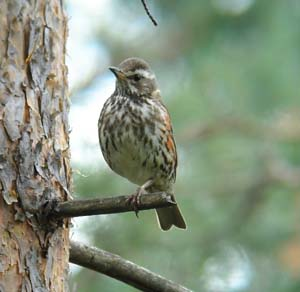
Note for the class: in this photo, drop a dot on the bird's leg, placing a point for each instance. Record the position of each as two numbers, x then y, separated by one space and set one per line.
135 199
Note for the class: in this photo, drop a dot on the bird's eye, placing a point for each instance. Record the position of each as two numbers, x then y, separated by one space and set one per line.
136 77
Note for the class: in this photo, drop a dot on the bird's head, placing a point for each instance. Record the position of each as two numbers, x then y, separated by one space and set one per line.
135 79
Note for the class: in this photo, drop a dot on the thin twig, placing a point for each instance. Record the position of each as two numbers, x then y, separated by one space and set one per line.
110 205
148 12
118 268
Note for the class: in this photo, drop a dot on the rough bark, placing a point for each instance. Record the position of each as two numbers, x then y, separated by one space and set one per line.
34 145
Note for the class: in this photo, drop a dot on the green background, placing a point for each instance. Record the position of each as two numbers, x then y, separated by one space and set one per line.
229 75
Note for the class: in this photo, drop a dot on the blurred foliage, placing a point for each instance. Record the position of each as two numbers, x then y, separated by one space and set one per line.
229 72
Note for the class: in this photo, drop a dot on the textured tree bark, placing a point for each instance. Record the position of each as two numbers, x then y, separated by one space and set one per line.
34 145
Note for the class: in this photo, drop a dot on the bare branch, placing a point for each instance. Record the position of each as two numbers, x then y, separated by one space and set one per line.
148 12
283 128
114 266
109 205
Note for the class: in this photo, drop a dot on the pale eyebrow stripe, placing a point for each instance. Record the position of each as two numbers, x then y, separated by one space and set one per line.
144 73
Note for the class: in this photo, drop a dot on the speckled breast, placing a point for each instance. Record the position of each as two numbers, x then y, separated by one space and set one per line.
131 138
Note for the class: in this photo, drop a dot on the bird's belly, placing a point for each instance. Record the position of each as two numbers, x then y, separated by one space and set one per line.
128 160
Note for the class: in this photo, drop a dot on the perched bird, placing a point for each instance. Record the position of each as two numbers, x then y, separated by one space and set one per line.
136 136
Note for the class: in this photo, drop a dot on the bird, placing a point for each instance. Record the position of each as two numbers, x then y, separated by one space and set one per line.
136 136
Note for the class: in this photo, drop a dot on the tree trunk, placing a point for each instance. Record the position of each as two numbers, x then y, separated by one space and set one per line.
34 145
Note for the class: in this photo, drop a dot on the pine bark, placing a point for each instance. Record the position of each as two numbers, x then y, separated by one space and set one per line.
34 145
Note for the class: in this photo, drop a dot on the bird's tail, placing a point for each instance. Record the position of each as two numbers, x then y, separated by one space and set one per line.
169 216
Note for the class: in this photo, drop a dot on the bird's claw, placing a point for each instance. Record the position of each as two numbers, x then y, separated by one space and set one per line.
135 200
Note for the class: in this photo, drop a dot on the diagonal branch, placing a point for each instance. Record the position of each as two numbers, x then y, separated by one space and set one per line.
148 12
110 205
114 266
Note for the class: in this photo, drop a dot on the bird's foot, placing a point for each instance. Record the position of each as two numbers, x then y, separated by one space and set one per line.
135 200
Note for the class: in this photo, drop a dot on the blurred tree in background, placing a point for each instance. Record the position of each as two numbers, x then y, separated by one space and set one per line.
229 73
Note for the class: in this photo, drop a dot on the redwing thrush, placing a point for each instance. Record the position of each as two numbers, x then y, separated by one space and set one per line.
136 136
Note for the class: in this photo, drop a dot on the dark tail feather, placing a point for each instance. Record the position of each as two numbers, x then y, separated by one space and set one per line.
169 216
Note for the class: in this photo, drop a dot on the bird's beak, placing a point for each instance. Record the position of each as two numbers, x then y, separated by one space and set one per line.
118 73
